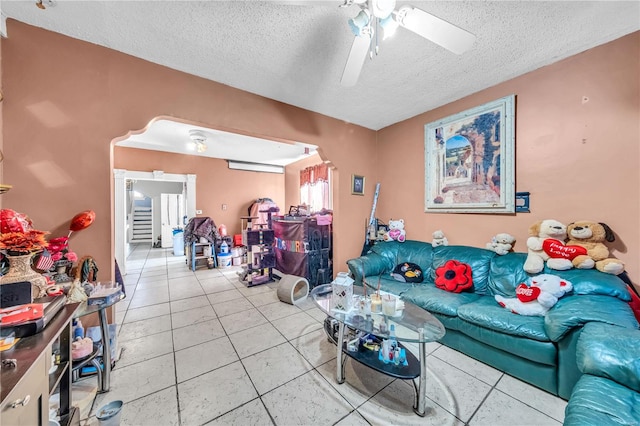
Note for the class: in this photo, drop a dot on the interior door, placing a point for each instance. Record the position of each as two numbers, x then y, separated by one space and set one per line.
171 213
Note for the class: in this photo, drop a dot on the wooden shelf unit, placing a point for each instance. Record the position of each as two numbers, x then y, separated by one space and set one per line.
26 388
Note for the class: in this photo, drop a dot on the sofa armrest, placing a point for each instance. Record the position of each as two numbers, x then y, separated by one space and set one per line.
371 264
611 352
575 311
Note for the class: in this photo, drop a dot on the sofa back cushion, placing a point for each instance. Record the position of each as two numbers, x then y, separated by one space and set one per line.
594 282
417 252
478 259
506 273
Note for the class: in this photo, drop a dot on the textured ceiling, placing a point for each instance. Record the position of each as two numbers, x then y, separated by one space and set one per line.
295 51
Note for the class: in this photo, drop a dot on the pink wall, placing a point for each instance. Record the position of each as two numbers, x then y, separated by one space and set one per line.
1 118
58 131
216 184
580 161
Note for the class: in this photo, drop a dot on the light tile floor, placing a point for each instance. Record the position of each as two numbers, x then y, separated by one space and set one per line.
202 348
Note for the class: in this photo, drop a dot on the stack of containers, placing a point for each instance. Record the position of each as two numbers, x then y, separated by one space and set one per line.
237 254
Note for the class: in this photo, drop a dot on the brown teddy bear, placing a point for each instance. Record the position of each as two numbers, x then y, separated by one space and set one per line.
591 236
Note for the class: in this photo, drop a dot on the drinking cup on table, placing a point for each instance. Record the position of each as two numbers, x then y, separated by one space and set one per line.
376 304
389 304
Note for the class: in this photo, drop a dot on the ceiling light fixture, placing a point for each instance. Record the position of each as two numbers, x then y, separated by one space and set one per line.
199 139
382 15
43 4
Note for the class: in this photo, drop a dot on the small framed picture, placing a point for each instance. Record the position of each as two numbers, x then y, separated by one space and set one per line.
357 185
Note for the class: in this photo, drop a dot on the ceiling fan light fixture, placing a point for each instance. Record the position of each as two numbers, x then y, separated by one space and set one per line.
382 8
360 22
389 27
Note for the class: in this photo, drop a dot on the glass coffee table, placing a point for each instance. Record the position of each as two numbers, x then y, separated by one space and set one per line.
412 325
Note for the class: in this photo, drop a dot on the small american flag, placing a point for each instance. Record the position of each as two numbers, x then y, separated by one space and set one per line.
44 261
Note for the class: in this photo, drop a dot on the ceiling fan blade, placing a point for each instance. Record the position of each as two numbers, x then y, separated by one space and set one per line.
355 61
437 30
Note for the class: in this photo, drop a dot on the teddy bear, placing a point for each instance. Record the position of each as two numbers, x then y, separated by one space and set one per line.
501 243
396 231
591 236
548 229
439 239
537 298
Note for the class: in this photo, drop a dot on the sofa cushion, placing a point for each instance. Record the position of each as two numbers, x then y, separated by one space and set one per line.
575 311
592 281
485 312
387 284
599 401
533 350
417 252
434 300
506 273
478 259
611 352
449 322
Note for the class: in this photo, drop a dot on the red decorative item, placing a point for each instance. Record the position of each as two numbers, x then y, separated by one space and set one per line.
557 250
18 314
635 302
12 221
525 294
454 276
82 220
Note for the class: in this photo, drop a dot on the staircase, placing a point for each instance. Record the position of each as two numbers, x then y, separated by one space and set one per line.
142 225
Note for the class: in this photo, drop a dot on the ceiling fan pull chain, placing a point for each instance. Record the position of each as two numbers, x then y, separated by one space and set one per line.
377 32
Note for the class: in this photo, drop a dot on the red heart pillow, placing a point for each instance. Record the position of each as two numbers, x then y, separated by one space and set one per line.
557 250
454 276
524 293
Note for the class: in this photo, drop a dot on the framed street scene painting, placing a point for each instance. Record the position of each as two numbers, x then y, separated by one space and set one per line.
469 160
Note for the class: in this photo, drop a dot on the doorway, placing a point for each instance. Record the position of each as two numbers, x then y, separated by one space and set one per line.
149 184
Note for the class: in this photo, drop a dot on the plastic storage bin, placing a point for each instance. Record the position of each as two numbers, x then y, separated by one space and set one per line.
178 242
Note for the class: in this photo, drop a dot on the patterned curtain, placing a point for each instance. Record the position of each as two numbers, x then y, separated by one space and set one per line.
314 187
313 174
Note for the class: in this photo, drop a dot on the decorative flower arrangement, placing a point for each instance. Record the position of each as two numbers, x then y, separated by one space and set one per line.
17 235
20 243
59 250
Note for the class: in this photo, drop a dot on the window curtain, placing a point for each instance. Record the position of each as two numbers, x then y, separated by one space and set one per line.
314 187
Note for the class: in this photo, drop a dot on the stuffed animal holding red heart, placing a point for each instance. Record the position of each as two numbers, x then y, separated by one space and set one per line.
558 250
536 298
524 293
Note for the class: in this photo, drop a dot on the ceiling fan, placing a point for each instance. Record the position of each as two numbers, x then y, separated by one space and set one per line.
381 15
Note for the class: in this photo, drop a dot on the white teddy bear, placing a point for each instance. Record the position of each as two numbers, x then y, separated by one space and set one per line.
540 231
439 239
538 298
396 231
501 243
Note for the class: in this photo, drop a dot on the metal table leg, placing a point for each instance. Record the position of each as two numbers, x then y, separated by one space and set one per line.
419 408
106 351
339 355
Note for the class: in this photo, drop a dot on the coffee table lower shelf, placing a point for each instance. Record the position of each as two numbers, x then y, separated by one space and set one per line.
370 358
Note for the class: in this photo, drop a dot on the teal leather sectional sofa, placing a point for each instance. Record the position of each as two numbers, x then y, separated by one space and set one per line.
608 393
537 350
